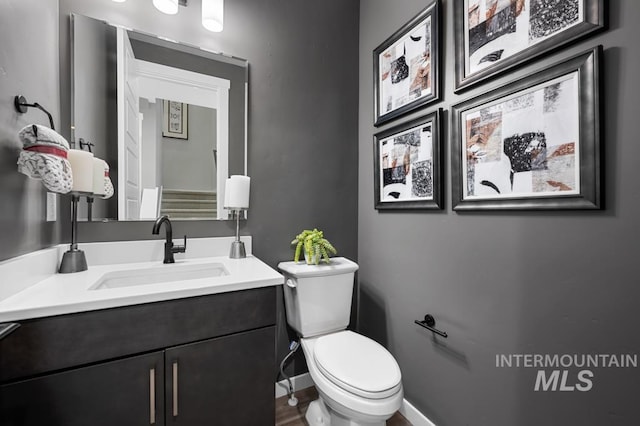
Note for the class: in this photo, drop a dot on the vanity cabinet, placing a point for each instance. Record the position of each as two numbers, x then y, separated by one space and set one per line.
198 361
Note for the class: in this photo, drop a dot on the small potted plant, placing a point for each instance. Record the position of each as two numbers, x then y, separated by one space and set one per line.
316 248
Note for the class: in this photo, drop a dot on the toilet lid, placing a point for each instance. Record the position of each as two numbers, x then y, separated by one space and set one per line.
357 364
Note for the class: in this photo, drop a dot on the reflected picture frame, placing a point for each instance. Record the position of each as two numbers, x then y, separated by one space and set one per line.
175 122
489 42
406 67
407 163
533 144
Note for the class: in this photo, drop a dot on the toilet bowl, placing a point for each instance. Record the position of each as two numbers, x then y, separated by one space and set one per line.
358 380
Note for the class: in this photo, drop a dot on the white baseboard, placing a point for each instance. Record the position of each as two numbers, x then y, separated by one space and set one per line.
303 381
415 417
299 382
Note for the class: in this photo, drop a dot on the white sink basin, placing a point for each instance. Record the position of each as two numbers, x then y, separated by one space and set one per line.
160 274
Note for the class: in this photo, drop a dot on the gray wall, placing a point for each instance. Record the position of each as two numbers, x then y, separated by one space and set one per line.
188 164
303 97
28 67
507 282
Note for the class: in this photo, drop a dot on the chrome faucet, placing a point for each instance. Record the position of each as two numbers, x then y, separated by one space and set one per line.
169 248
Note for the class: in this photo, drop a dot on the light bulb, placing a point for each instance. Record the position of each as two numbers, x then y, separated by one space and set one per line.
170 7
213 15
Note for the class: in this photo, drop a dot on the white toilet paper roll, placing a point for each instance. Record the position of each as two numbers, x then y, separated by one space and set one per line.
236 195
226 193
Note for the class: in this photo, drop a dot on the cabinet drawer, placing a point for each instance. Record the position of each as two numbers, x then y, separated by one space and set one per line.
48 344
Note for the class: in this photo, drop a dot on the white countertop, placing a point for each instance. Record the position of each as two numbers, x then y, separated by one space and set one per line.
58 294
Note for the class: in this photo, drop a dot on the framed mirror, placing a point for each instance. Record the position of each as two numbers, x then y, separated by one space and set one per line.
169 119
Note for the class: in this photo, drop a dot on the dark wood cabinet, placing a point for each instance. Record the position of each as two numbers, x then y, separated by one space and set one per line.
201 361
124 392
222 381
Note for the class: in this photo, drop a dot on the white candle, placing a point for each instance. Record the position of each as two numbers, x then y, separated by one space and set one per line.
236 195
99 167
82 169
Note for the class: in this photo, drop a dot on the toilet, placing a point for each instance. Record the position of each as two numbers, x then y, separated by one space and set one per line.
358 380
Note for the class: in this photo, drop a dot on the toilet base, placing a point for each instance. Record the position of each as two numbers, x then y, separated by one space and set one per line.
318 414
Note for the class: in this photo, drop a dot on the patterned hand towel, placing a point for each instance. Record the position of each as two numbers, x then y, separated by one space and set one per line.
108 186
44 157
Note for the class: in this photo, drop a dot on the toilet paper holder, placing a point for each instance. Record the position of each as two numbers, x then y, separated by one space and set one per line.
429 323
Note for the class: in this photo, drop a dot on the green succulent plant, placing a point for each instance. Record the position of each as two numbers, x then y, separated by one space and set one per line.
314 245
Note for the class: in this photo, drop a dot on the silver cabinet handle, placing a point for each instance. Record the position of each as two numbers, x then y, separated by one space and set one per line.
175 389
152 396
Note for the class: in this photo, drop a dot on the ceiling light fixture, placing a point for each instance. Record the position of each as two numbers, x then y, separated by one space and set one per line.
170 7
213 15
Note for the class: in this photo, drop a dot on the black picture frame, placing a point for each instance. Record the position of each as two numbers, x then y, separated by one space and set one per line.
175 123
495 156
421 166
409 80
585 18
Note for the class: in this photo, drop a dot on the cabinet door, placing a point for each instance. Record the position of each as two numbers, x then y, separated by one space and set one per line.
125 392
224 381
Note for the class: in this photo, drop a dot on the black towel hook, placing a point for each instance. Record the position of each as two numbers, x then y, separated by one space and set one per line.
82 144
21 106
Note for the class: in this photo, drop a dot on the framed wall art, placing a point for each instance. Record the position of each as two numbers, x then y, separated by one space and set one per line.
532 144
175 123
407 165
406 67
493 36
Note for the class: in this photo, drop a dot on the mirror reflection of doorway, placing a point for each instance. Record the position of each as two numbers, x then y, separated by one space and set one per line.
203 94
185 74
184 168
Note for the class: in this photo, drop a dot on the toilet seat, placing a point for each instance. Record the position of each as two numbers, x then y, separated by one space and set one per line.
357 365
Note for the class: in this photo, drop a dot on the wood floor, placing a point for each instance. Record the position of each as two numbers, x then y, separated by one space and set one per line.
294 416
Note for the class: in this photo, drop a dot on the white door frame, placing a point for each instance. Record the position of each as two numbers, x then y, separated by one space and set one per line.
129 192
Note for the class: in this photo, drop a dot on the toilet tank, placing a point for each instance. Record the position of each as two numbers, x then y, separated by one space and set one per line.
318 297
